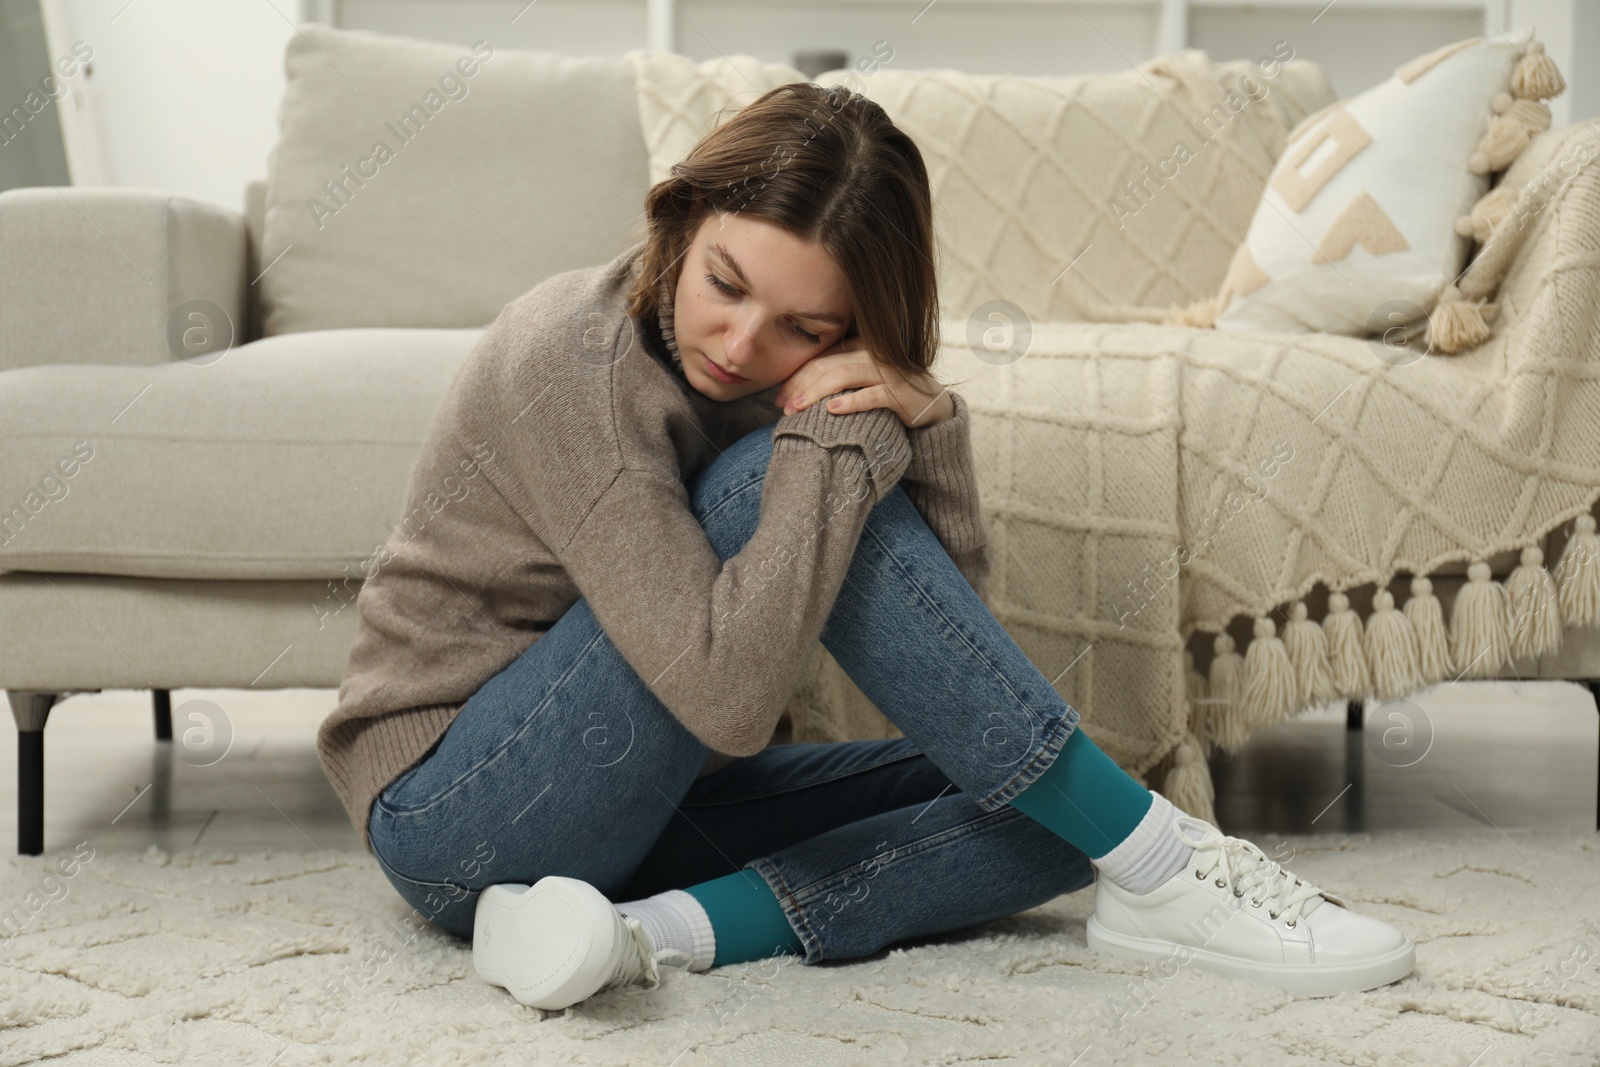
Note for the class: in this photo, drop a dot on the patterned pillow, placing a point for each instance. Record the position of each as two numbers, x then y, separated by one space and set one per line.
1149 175
1371 211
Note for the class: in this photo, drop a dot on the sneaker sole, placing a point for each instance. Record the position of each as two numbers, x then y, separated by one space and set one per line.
549 946
1307 981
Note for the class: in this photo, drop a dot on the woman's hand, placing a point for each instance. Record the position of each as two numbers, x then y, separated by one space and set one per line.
918 400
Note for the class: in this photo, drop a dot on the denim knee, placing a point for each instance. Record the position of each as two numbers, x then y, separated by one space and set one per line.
446 905
740 465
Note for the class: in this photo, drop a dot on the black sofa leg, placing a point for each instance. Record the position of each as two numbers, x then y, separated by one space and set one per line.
1354 715
163 706
30 710
1594 691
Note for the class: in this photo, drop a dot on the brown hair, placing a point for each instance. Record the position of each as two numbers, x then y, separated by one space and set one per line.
829 166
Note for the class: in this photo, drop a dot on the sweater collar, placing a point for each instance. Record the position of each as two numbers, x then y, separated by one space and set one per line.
662 326
664 298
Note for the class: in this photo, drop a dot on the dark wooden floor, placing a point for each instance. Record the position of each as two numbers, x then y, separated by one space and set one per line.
1498 754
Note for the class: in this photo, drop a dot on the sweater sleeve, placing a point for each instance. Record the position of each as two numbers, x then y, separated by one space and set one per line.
722 643
941 482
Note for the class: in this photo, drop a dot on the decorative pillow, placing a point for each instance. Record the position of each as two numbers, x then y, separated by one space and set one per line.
1149 175
1371 210
680 100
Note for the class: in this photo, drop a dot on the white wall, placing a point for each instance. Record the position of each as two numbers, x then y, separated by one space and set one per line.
1570 30
184 93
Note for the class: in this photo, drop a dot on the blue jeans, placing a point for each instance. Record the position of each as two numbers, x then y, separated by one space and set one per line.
565 763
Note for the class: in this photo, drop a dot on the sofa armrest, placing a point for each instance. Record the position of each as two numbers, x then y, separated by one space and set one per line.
104 274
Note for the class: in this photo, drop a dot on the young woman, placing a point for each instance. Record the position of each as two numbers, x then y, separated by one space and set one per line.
696 461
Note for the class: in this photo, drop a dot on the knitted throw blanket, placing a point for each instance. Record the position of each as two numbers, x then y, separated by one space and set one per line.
1143 482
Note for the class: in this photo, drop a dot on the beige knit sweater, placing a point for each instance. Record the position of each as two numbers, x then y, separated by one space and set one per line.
556 467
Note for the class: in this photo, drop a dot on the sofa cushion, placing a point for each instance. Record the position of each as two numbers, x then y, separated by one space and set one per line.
1087 197
286 458
416 183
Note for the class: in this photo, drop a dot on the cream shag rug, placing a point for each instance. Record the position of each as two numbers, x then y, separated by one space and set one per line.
292 958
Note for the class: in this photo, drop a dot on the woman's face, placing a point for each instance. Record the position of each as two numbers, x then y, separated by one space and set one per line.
785 302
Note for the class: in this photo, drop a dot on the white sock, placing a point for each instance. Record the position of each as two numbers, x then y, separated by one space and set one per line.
675 919
1150 855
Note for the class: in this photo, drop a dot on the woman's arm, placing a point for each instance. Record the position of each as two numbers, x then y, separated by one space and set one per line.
721 643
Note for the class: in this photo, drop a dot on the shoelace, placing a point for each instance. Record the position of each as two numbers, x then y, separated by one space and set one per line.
1248 869
639 962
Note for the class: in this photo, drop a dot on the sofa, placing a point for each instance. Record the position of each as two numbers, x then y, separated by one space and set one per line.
210 415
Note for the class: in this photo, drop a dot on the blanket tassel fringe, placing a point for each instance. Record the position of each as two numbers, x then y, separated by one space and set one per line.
1396 652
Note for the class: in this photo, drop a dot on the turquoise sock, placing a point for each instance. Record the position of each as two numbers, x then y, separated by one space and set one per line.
746 918
1085 780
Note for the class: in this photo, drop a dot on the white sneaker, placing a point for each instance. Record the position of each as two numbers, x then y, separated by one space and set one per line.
1234 912
560 942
